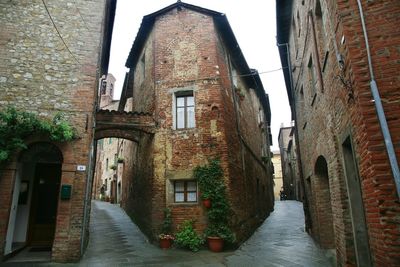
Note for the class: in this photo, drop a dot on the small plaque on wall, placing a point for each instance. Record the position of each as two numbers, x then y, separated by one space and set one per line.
66 191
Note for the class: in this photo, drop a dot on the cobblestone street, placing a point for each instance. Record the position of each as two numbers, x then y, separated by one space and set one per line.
280 241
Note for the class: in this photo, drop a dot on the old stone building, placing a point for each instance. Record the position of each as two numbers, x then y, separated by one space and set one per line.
53 54
187 71
341 67
107 182
290 171
278 183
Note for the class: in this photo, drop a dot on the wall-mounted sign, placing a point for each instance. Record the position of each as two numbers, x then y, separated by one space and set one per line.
81 168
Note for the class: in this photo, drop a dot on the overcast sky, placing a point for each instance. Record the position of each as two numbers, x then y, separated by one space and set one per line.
254 25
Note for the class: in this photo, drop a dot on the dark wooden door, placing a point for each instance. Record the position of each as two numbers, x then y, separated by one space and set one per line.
44 204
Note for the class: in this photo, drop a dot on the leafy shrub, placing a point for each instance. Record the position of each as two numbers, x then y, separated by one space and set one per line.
187 237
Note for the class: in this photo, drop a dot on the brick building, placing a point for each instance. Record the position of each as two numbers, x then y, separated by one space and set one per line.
187 70
344 93
290 171
53 54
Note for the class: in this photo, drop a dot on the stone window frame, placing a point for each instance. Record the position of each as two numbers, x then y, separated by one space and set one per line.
185 191
178 175
170 193
180 92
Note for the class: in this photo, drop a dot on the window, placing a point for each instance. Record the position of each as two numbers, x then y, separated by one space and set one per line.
143 65
109 141
103 87
311 78
185 111
106 164
185 191
320 30
234 77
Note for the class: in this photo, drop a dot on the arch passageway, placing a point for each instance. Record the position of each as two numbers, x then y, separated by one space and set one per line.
121 124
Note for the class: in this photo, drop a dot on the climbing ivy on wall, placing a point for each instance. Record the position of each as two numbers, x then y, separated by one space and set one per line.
16 126
212 186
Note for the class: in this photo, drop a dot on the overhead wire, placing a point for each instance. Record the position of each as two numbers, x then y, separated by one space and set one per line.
58 32
217 76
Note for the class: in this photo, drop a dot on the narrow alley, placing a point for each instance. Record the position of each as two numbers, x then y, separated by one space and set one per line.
280 241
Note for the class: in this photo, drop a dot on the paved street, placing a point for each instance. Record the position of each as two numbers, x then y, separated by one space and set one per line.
280 241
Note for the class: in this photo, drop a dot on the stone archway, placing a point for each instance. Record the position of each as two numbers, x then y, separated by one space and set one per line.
323 204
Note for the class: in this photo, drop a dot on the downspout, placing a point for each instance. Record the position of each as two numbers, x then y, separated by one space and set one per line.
305 199
379 109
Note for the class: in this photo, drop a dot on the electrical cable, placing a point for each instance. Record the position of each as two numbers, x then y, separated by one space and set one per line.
58 32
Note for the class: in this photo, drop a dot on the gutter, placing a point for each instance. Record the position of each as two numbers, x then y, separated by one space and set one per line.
379 109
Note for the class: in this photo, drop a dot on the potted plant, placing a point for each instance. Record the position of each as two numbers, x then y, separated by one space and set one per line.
217 234
186 237
120 160
166 237
165 240
210 179
113 167
205 196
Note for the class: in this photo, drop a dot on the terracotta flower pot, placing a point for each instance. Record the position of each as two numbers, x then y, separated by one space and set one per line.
165 243
215 244
207 203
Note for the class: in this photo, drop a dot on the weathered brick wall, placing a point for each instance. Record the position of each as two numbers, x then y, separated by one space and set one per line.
40 74
339 110
380 198
251 200
187 56
185 48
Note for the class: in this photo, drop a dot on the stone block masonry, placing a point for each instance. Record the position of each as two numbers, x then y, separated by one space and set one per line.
51 53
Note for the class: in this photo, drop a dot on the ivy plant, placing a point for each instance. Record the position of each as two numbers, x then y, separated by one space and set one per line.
211 185
16 126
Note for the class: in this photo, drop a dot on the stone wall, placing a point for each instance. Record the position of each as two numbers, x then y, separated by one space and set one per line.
45 72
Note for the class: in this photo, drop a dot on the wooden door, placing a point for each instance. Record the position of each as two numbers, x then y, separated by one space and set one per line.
44 204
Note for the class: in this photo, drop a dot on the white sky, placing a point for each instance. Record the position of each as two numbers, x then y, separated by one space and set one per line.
254 25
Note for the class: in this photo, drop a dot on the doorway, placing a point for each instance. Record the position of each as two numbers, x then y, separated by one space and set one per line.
44 204
360 234
32 220
323 205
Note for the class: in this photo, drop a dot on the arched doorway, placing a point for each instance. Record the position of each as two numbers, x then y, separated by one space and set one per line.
323 204
34 206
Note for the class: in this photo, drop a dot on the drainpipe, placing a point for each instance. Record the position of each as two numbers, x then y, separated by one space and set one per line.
307 214
379 109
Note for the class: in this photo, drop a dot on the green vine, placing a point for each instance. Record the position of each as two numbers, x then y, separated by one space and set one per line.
16 126
212 186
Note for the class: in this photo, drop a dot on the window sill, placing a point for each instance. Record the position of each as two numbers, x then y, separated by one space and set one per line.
184 203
